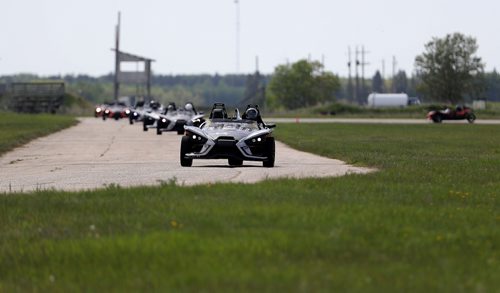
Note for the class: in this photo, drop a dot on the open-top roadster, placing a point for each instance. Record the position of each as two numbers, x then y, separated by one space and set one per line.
237 139
459 113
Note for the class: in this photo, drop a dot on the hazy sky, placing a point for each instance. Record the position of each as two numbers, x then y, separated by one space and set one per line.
199 36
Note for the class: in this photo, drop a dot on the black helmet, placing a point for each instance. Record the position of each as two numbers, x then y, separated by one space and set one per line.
154 105
251 114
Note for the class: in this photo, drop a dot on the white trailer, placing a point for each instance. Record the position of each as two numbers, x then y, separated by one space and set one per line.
376 100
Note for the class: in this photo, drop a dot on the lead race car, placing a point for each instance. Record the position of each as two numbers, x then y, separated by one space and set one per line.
237 139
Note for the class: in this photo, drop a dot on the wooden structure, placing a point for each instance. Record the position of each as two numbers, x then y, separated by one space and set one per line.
142 77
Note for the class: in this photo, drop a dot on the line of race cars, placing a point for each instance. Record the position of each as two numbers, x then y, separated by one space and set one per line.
237 138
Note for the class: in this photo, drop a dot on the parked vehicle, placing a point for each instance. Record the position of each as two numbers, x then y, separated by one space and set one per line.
376 100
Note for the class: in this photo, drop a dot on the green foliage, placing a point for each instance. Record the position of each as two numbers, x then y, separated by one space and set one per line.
76 105
449 68
18 129
302 84
377 83
426 221
400 82
254 90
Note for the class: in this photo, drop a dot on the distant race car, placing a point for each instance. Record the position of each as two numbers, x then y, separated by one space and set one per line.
237 139
99 110
152 115
174 119
137 112
459 113
115 111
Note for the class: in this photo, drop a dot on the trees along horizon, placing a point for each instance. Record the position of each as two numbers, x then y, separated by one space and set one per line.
450 70
301 84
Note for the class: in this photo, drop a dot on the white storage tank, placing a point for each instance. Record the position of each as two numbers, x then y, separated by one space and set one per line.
376 100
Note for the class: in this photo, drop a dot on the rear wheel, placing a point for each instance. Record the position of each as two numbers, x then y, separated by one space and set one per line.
471 117
234 162
185 148
270 153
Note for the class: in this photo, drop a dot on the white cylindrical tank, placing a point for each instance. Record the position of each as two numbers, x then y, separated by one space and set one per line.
376 100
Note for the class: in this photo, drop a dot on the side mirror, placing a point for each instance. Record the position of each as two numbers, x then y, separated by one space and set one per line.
271 125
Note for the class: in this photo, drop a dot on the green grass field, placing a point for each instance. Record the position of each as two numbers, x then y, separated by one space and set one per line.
428 220
18 129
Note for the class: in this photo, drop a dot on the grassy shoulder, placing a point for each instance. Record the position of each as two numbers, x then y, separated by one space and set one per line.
428 220
18 129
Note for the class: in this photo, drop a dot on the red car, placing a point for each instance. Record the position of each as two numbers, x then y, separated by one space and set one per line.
459 113
116 111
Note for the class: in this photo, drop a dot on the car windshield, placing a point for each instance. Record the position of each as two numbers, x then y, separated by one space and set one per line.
225 125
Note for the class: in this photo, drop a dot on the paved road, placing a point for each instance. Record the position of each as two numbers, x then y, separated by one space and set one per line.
96 153
374 121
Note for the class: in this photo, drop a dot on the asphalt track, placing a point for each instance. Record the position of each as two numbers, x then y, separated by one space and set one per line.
98 153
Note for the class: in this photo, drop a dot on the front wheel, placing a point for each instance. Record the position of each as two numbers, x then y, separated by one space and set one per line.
437 119
185 148
180 131
471 118
158 130
234 162
144 126
270 153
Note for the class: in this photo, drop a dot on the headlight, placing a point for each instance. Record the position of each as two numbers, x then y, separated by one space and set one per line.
107 111
98 110
256 140
135 113
164 120
195 137
127 111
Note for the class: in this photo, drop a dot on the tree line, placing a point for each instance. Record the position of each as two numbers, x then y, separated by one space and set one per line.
448 71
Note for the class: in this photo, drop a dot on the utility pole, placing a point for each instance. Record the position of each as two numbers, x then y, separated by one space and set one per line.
256 63
363 64
117 58
349 80
383 68
356 79
394 65
237 2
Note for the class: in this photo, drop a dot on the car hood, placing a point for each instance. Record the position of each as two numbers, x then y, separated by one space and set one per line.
236 134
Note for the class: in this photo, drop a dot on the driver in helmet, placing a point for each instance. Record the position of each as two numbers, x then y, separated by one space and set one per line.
253 114
190 107
154 105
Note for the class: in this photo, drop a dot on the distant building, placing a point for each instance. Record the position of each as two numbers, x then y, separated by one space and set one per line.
36 97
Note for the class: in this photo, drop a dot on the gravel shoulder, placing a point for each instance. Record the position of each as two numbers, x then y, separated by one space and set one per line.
97 153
